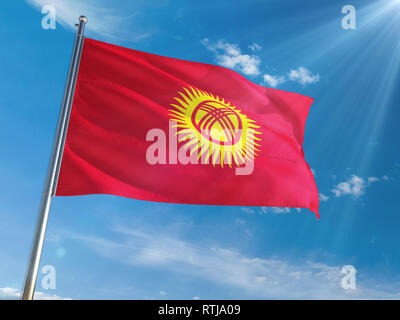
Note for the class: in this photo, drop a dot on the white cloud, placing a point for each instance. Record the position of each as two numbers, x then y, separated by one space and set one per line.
103 19
255 47
8 293
46 296
230 56
303 75
276 210
372 179
196 298
354 186
273 81
163 293
300 75
248 210
323 197
258 277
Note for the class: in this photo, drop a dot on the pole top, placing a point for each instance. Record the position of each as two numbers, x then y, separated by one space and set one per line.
83 18
81 26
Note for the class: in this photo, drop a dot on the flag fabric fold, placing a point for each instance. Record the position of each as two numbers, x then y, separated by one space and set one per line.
154 128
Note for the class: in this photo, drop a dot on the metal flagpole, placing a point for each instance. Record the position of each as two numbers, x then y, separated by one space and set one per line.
54 166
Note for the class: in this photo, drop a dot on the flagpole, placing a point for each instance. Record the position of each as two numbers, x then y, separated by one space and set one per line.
54 166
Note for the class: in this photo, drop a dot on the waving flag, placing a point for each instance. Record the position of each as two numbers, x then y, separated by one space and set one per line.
149 127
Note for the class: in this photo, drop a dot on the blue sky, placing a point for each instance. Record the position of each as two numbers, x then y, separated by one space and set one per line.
107 247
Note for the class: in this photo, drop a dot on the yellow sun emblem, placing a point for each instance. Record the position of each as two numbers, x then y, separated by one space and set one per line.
213 129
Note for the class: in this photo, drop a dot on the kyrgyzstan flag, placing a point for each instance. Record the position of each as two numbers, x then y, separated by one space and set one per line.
153 128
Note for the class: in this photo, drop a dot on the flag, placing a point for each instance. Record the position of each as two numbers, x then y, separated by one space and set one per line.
154 128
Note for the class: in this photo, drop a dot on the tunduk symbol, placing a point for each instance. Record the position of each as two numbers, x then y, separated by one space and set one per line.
213 128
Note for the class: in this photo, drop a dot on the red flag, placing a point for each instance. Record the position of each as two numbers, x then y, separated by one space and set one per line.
239 143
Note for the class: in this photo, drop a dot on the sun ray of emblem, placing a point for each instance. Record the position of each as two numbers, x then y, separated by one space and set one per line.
213 129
